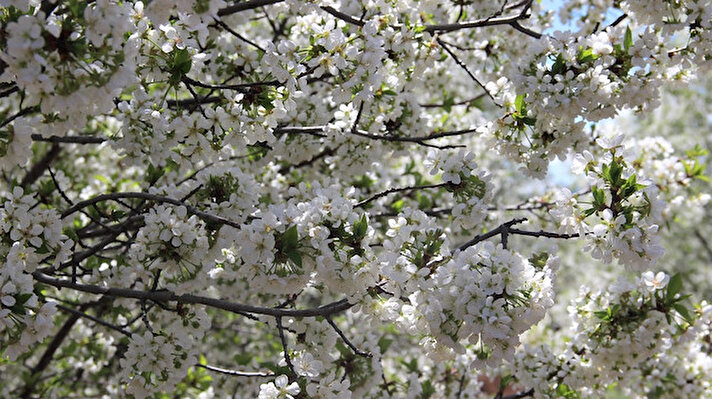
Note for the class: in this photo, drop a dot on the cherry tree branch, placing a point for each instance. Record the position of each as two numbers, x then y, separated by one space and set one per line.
346 340
398 190
169 296
246 5
236 372
467 70
285 348
502 229
94 319
150 197
38 169
542 233
520 395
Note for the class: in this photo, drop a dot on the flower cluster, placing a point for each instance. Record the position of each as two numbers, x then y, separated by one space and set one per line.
72 65
171 244
157 360
624 215
337 199
630 328
27 234
470 186
572 77
485 296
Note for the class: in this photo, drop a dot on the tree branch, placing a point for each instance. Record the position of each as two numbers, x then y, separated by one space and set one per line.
346 340
94 319
151 197
246 5
69 139
236 372
501 229
38 169
398 190
168 296
467 70
285 348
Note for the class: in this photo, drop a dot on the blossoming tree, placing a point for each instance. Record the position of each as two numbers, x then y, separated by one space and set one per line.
350 199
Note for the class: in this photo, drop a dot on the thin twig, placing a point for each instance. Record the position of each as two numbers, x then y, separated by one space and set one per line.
542 233
398 190
467 70
346 340
150 197
38 169
285 348
94 319
237 35
342 16
236 372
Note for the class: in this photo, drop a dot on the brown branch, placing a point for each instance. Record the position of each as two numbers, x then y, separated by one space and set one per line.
285 348
19 114
463 102
346 340
94 319
501 229
237 35
325 153
342 16
416 140
512 21
446 28
150 197
241 87
516 25
168 296
38 169
520 395
542 233
467 70
246 5
9 91
236 372
69 139
398 190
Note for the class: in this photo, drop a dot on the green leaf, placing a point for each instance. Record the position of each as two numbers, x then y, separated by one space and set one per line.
428 389
586 56
360 228
559 65
23 298
601 314
520 105
565 391
182 61
674 286
614 173
290 238
117 214
295 257
599 198
448 102
684 312
628 40
397 206
153 174
384 343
